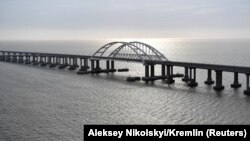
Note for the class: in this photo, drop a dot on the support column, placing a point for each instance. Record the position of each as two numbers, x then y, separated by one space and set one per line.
247 91
163 71
107 64
8 57
66 61
192 82
86 63
81 63
112 65
20 58
170 79
97 65
57 60
27 61
236 83
92 65
146 71
49 60
218 83
14 58
186 77
75 62
2 56
152 67
209 77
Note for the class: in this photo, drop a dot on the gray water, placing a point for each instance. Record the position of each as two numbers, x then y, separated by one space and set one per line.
38 103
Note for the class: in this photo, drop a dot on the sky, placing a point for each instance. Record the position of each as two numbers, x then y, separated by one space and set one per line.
105 19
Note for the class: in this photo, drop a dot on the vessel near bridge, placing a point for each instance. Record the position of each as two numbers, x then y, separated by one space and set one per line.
131 52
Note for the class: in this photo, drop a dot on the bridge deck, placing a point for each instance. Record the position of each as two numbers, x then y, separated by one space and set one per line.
227 68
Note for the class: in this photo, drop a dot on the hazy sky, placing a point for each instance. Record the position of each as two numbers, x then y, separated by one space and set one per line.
91 19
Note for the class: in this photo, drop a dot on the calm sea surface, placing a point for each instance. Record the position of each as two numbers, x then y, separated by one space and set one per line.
38 103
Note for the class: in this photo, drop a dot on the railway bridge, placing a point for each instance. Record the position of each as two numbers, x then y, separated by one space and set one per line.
131 52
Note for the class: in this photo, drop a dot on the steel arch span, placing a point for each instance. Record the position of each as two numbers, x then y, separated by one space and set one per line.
130 50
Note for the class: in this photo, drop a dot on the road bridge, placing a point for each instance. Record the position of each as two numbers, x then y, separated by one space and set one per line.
131 52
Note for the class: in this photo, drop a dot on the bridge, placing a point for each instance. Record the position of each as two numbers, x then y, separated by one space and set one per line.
131 52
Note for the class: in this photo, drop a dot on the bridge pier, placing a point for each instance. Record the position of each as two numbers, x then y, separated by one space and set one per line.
192 82
163 70
169 79
7 59
49 61
113 66
83 65
97 67
14 57
146 71
53 62
107 64
152 69
186 77
1 56
247 91
34 60
236 83
66 61
74 64
20 58
209 80
43 61
92 65
27 59
218 86
61 63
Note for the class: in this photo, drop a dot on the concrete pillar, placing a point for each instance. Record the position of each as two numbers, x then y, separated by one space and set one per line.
81 62
107 64
218 83
98 64
8 57
163 71
152 70
192 82
75 62
146 70
186 77
209 80
66 61
86 62
247 91
112 65
49 60
20 58
57 60
27 61
170 79
92 65
236 83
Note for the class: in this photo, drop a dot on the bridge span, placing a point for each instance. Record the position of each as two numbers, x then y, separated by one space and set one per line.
131 52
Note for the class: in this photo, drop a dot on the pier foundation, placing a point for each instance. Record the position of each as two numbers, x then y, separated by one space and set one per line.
169 79
152 68
14 58
20 59
236 83
192 81
209 80
218 86
186 77
247 91
27 60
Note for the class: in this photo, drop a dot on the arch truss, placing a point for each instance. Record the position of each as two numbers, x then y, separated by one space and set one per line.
130 51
